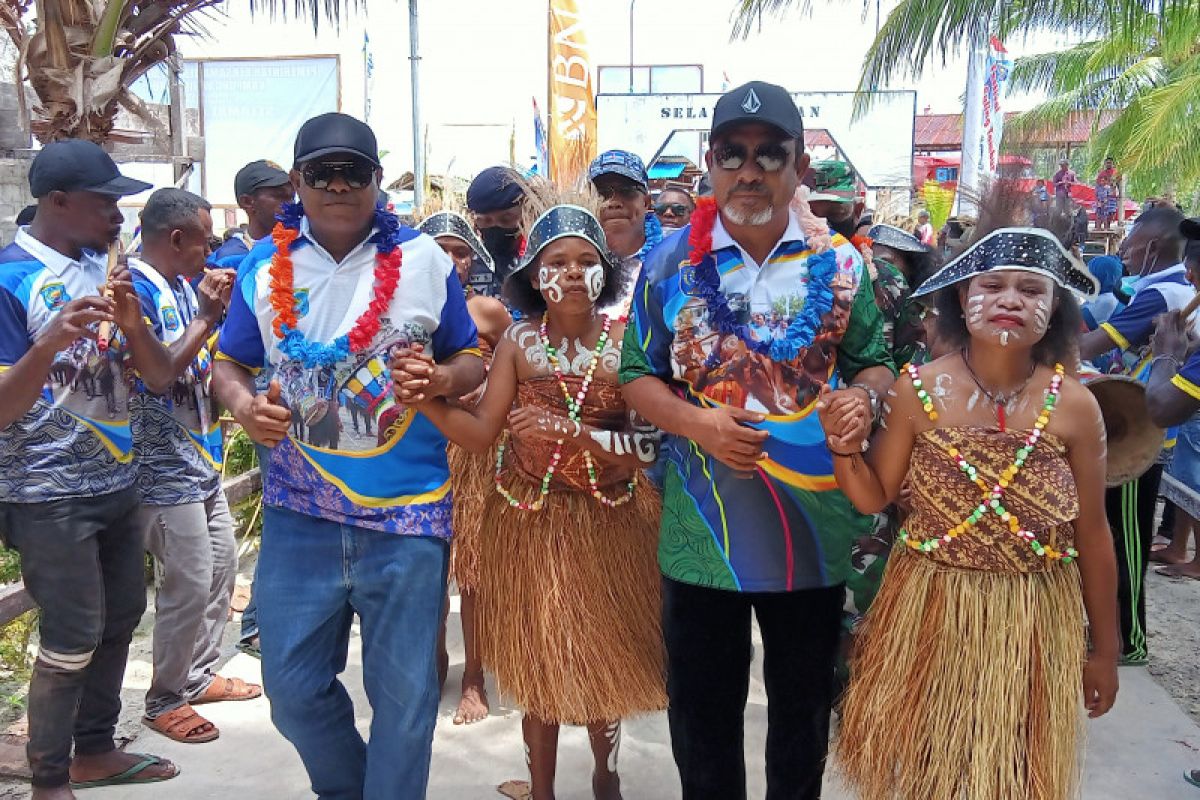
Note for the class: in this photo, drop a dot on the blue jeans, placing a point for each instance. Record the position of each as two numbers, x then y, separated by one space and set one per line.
313 576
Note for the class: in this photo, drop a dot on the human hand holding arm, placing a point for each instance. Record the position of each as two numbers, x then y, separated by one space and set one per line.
419 377
475 428
264 417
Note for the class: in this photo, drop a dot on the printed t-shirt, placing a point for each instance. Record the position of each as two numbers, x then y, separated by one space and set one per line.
788 526
75 441
176 435
394 478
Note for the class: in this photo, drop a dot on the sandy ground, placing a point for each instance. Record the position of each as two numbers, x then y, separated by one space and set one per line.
1138 751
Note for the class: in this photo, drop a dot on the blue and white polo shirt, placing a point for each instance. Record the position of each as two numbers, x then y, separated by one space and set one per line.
75 441
177 435
353 455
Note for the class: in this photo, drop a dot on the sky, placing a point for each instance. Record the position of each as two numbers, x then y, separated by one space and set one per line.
482 61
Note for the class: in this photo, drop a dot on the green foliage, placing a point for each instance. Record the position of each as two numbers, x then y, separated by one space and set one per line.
247 517
240 455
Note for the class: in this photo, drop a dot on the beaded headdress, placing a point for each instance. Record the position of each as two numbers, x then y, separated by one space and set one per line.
560 222
1025 249
448 223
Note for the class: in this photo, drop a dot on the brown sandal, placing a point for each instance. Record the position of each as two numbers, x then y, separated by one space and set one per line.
224 689
184 725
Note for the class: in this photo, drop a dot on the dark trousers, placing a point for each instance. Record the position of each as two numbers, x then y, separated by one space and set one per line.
1131 517
83 562
707 633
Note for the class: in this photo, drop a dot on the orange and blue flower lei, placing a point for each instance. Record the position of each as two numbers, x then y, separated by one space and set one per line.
822 269
293 343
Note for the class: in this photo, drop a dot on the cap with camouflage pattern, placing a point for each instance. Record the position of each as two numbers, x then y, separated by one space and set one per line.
834 181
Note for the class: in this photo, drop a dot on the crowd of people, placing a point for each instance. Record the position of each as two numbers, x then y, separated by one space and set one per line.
625 425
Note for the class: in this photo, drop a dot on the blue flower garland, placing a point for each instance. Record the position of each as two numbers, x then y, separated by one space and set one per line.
822 269
294 345
654 235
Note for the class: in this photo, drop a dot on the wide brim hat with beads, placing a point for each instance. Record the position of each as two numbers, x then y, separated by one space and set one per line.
448 223
897 239
561 222
1025 249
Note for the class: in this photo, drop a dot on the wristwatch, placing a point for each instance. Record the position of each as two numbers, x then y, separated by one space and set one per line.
873 398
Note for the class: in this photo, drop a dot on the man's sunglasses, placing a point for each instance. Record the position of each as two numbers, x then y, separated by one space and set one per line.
357 174
675 209
623 191
770 157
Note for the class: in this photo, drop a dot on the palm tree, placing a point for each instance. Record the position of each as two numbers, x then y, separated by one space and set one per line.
1140 62
82 56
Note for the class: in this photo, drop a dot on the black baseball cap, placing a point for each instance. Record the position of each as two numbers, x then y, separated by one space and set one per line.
77 165
335 133
261 174
761 102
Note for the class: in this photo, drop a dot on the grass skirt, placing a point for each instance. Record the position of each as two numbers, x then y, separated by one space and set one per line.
966 686
471 480
569 604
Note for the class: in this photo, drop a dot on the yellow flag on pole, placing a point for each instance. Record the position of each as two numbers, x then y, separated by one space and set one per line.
572 104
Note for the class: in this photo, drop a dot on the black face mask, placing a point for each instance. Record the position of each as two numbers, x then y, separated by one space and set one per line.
502 245
846 227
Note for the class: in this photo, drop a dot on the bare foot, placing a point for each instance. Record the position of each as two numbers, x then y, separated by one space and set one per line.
57 793
114 762
606 785
474 703
1189 569
1167 555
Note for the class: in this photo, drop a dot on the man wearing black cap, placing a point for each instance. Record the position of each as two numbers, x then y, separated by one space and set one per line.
262 187
67 494
752 521
352 523
494 200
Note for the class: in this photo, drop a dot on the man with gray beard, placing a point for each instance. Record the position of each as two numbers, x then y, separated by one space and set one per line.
752 521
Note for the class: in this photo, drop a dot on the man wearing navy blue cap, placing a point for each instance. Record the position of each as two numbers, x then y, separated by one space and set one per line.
752 525
261 188
494 200
630 227
67 493
353 523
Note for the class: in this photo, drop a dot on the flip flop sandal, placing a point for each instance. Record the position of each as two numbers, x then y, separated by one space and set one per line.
129 776
228 690
1191 778
182 725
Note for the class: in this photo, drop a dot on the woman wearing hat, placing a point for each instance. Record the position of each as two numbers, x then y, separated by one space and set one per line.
568 587
976 639
470 474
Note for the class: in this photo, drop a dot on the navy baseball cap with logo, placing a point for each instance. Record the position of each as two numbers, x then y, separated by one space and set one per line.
620 162
335 132
77 165
261 174
761 102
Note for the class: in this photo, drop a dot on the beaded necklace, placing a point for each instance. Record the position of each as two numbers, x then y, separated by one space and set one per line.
574 412
993 497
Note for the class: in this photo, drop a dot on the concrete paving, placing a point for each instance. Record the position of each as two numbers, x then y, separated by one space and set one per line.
1138 751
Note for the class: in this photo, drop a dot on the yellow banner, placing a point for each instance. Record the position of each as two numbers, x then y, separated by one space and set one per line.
572 112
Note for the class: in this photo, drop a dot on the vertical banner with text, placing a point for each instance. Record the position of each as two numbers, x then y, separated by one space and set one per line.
572 106
998 67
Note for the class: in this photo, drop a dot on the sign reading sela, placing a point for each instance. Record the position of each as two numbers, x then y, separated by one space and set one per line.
703 112
879 143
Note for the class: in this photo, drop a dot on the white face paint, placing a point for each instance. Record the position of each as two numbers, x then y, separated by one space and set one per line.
975 309
1041 317
593 276
548 283
1004 338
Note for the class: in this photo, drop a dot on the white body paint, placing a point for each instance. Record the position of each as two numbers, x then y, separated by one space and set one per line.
594 278
613 733
548 283
975 309
643 445
973 400
1041 318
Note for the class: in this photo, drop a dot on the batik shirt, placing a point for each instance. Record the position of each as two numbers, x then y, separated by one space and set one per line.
176 435
75 440
787 526
352 456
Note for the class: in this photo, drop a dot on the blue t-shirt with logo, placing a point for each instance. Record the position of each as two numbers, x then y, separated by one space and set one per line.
75 441
353 454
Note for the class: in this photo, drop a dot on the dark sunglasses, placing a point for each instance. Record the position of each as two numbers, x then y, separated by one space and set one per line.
675 209
625 192
357 174
770 157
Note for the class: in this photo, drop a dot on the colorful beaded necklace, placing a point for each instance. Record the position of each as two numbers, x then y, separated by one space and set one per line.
293 343
574 412
994 496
